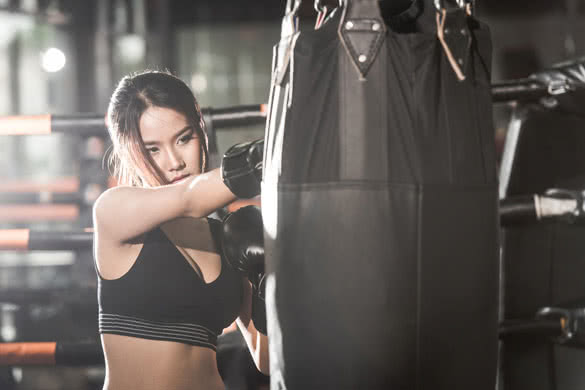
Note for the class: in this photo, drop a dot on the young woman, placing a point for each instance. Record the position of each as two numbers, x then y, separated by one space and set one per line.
165 293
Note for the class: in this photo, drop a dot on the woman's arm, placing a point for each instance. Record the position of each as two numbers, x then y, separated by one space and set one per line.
123 213
256 341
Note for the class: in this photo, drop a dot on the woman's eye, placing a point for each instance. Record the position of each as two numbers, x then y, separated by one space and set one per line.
152 150
186 138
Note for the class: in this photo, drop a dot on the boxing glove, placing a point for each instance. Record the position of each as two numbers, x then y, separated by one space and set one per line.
241 168
242 242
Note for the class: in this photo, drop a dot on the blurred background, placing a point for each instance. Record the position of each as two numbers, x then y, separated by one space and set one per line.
65 57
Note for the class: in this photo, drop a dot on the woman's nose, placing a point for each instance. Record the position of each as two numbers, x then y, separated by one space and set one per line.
175 160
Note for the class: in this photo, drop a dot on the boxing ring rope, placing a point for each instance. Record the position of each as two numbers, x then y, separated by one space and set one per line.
562 78
71 197
557 204
563 326
530 328
60 185
247 115
529 89
519 89
25 239
41 212
94 124
51 354
41 198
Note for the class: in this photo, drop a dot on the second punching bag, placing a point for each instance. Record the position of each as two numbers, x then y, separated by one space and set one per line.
379 202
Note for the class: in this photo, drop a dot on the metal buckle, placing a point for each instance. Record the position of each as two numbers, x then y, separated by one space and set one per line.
572 324
558 87
565 317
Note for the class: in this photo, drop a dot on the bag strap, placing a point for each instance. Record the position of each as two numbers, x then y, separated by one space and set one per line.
454 33
362 31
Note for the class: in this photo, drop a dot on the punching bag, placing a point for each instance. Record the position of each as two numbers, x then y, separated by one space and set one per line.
379 201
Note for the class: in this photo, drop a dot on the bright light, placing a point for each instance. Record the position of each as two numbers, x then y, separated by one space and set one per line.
132 48
53 60
199 83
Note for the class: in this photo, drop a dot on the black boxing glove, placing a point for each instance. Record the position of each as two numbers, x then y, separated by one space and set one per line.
241 168
242 242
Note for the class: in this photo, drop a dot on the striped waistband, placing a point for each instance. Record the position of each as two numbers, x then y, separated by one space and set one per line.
185 333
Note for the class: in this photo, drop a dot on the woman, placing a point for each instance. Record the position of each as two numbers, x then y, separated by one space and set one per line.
164 291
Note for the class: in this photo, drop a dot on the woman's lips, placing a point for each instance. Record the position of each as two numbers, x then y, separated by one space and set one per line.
179 178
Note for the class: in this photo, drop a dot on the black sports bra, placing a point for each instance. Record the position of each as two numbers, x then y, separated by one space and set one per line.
161 297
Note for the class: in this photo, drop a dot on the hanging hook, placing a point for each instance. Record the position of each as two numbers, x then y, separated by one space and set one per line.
450 4
292 7
296 7
321 13
319 7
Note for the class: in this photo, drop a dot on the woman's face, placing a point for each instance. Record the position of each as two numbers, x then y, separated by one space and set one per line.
172 143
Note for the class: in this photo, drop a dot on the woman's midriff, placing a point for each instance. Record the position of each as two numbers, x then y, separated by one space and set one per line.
134 363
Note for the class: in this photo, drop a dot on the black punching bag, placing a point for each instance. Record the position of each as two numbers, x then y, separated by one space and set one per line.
379 202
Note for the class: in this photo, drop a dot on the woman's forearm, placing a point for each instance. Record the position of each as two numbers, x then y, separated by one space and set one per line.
206 193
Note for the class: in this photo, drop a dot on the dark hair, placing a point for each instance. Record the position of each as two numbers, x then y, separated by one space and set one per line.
134 95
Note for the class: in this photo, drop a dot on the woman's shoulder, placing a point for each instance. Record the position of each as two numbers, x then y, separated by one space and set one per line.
123 213
109 200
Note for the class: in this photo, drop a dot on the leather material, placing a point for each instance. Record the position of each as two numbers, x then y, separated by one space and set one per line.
403 21
458 36
243 247
241 168
362 31
379 202
242 240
